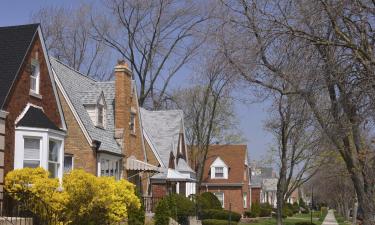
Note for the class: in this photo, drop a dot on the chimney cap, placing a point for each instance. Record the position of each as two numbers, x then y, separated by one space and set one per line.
122 66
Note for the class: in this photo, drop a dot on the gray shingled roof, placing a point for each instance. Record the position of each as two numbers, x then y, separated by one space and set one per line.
14 44
82 90
163 128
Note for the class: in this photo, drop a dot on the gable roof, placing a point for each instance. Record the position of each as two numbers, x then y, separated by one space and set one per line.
35 117
15 42
218 162
77 86
163 129
234 156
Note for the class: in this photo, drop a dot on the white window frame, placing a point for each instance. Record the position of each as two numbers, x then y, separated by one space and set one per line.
44 135
244 196
218 162
59 160
132 119
112 160
68 155
216 168
35 63
40 149
222 202
102 125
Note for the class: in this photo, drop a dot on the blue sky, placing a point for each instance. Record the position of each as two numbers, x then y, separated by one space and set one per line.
251 116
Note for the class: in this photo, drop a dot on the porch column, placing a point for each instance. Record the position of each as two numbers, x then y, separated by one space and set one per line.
3 115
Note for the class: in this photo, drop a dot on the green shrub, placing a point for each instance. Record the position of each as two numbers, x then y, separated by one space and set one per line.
304 223
255 209
181 207
162 212
265 210
216 222
136 216
220 215
295 208
287 212
208 200
250 214
324 210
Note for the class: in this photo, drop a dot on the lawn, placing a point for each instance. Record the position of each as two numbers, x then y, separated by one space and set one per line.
288 221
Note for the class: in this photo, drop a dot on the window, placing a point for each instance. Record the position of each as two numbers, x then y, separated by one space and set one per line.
245 200
100 121
220 196
68 163
31 157
110 168
132 123
53 158
34 76
219 172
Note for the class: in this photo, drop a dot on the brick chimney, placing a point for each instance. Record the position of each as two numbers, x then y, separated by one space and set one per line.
127 133
123 85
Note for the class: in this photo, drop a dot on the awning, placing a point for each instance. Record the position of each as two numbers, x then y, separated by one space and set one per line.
137 165
172 175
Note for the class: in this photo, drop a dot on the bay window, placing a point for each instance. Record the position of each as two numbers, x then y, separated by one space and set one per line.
31 152
38 147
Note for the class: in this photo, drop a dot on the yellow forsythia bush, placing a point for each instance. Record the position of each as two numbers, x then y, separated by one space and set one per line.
82 199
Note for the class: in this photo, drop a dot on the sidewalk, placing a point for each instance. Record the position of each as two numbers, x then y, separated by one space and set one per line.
330 219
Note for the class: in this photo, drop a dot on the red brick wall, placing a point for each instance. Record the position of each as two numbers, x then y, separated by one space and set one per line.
19 97
255 195
232 195
159 190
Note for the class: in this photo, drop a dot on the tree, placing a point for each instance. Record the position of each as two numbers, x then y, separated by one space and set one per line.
333 188
68 34
208 111
297 144
156 37
328 44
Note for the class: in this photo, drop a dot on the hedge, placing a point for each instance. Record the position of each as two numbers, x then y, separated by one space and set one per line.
208 200
162 212
217 222
304 223
220 215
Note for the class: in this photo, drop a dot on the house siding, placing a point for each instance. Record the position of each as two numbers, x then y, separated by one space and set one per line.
19 97
76 143
234 156
233 197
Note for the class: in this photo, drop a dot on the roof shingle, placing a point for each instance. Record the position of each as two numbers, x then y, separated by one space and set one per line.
14 44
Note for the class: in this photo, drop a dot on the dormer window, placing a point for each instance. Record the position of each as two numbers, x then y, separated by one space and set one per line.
34 76
132 123
219 172
219 169
100 114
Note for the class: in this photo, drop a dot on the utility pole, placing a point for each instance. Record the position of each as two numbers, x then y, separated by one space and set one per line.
230 214
355 209
312 204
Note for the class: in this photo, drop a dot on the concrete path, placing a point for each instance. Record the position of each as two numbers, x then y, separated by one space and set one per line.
330 219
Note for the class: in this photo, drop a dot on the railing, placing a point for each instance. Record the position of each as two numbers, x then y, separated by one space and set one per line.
24 211
150 203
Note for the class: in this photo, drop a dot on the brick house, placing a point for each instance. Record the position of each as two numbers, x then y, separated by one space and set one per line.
104 129
226 174
110 135
165 137
32 124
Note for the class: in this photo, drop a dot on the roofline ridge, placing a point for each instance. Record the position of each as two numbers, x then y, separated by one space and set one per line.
20 25
71 68
165 110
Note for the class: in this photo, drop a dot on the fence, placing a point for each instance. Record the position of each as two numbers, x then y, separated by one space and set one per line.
25 210
150 203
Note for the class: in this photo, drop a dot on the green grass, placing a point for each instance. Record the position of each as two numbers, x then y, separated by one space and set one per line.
341 220
287 221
